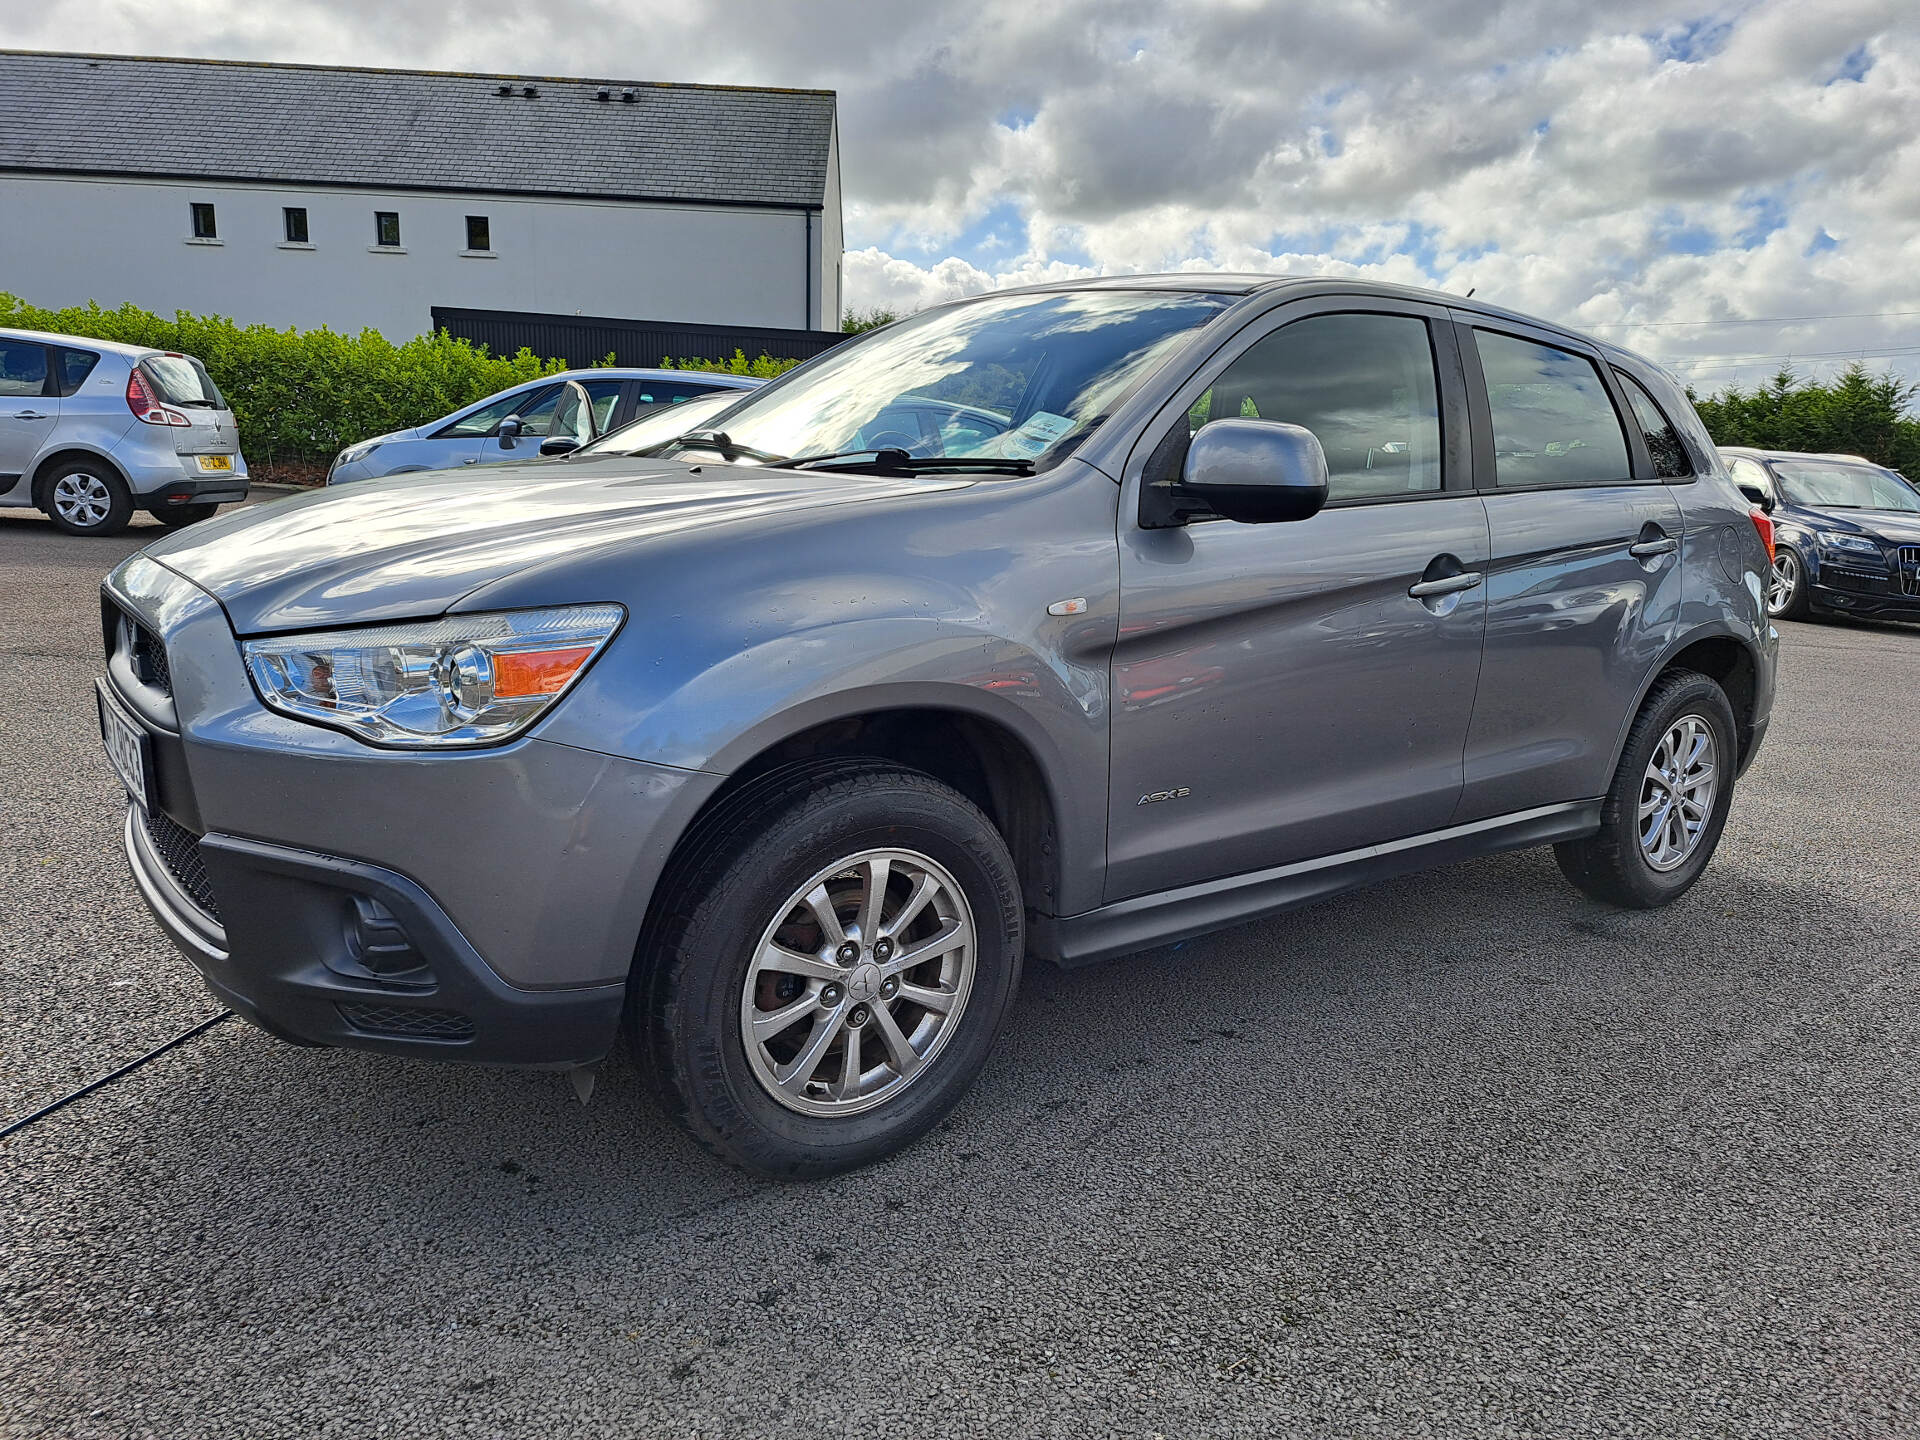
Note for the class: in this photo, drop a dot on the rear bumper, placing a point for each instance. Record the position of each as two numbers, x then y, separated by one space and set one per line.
155 476
289 949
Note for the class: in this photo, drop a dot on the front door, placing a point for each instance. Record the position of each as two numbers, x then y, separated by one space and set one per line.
1293 690
1584 591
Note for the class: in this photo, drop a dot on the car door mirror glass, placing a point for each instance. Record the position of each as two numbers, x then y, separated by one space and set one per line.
1256 471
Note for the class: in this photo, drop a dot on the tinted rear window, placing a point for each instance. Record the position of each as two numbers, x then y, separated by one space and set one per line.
1670 460
1553 422
183 380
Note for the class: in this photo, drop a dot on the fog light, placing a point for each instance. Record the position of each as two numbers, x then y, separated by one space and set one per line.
379 945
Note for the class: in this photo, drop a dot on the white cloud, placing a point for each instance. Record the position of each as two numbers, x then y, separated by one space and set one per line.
1637 161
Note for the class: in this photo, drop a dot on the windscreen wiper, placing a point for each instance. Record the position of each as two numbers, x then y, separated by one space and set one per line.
900 460
720 441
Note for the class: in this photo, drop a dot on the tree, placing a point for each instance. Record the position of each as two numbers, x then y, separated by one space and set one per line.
1857 414
858 322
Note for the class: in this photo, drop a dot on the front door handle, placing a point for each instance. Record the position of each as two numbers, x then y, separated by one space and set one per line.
1647 549
28 415
1445 585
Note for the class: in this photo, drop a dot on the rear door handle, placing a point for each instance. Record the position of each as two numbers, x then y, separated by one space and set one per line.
1647 549
1445 585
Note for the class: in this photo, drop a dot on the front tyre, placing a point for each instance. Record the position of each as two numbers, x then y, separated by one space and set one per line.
1787 585
1662 817
838 947
86 497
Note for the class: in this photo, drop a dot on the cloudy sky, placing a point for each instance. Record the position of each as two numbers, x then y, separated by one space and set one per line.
1636 169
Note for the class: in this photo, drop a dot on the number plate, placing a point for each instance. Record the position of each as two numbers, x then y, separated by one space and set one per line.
128 747
216 462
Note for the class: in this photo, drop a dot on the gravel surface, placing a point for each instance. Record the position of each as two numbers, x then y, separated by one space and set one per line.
1464 1155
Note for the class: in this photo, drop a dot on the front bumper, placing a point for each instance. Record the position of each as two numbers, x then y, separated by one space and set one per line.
288 952
1881 603
481 906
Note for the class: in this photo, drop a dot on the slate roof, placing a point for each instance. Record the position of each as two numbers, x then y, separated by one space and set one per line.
412 129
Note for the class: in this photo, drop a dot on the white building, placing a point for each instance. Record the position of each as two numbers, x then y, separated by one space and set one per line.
300 195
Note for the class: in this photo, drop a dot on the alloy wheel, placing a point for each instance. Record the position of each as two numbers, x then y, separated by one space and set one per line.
82 500
1677 791
1782 581
858 982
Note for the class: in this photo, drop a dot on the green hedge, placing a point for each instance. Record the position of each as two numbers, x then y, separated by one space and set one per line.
301 395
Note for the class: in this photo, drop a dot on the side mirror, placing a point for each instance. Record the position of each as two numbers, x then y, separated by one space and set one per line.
559 445
1757 496
509 432
1256 471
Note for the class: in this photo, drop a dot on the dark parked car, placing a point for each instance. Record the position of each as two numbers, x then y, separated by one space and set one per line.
1846 533
1182 601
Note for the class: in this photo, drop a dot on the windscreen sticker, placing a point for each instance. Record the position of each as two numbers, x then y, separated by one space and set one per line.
1033 435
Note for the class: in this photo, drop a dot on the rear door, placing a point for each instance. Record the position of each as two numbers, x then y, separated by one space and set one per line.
1287 691
29 408
1583 593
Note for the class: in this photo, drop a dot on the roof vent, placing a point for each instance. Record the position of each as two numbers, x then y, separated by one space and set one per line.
627 97
504 90
531 93
603 96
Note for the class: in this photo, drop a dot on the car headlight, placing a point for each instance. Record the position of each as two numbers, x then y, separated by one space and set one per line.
355 452
1849 543
463 681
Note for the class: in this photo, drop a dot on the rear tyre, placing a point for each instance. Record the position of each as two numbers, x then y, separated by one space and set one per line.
175 516
1662 817
86 497
836 950
1787 585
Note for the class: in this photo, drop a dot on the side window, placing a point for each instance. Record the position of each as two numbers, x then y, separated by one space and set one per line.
73 367
1553 421
1363 384
656 392
482 421
1670 460
23 368
605 395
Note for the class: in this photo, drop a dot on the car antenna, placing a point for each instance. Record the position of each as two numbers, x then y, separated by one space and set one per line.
1470 290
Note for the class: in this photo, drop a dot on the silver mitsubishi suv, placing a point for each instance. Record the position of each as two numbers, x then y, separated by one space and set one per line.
1060 622
91 431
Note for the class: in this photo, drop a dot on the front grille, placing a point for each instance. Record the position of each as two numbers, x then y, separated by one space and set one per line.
1906 563
415 1024
150 660
179 850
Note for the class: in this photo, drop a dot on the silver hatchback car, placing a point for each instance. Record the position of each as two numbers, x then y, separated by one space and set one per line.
91 431
516 424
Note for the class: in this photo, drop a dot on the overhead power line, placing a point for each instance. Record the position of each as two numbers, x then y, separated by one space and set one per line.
1753 320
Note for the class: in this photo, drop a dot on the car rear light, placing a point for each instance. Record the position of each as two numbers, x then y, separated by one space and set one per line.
1763 522
146 406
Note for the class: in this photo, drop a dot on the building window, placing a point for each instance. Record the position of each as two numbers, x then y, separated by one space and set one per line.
296 216
479 233
203 228
386 228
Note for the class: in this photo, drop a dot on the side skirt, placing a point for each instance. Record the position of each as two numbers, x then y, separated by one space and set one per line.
1170 915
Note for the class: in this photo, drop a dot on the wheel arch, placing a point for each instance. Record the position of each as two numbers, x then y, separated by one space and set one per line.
43 469
1722 654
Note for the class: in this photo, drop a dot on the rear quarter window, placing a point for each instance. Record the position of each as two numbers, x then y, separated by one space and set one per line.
72 368
1670 458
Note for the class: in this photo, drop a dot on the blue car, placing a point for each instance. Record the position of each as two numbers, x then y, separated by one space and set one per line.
1846 533
548 416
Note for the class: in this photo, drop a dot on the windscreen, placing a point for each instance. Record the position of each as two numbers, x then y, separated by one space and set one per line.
183 380
1835 485
1009 378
